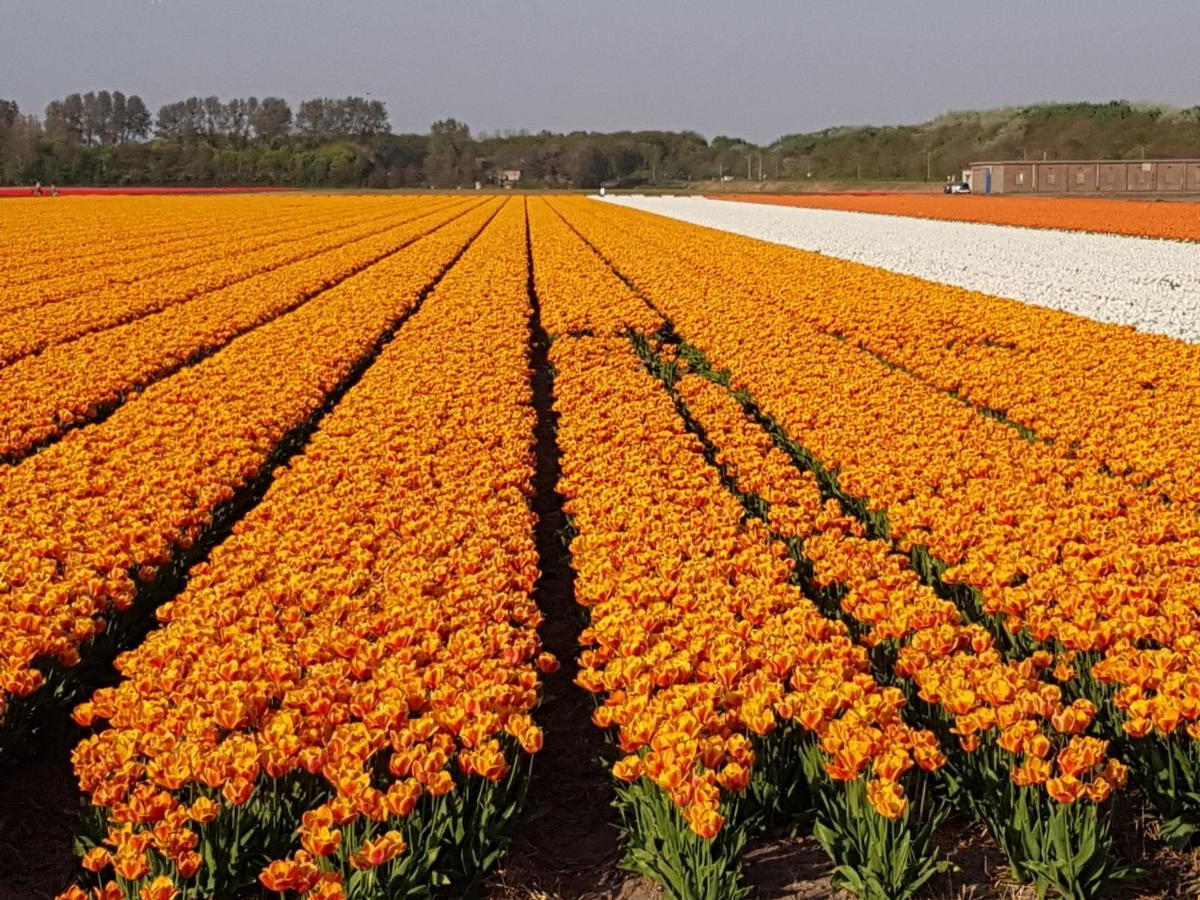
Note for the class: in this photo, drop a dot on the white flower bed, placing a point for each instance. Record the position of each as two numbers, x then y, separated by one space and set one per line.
1151 284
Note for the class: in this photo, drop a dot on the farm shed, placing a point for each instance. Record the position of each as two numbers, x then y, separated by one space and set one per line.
1086 176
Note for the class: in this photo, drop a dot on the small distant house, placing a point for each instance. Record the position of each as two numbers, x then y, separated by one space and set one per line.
510 176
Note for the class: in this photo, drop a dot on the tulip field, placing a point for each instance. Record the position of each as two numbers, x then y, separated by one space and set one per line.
1102 215
315 511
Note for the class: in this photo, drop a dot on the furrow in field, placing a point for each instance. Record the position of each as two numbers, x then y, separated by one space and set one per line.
368 635
81 382
91 524
572 827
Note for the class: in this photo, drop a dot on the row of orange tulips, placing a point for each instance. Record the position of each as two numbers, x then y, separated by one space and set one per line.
339 703
72 383
163 269
33 329
1051 553
582 296
714 671
109 508
110 231
700 647
1031 737
1120 399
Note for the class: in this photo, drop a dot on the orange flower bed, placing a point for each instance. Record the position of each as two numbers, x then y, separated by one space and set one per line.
1124 400
698 640
115 232
84 522
849 545
71 383
698 643
368 632
955 666
1137 218
1127 401
581 295
1056 552
168 265
39 324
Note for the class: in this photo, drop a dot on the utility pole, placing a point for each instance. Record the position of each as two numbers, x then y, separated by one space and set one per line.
927 154
760 166
749 159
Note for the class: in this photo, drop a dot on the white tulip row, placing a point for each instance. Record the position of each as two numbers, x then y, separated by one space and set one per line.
1150 284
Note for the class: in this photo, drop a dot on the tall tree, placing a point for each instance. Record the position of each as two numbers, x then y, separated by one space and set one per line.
450 159
136 123
9 111
314 118
272 119
585 166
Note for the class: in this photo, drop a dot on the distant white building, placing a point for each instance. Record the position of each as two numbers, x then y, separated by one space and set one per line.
510 176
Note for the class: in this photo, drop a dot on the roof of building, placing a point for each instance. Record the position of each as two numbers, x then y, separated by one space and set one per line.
1075 162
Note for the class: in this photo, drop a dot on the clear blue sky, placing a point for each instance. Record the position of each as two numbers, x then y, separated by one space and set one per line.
752 69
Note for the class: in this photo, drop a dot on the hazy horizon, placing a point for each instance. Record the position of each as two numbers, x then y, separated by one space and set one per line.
756 73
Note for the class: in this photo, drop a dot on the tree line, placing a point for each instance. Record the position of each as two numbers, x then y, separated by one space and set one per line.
109 138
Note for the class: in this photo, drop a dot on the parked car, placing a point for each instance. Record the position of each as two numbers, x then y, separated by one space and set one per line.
957 187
